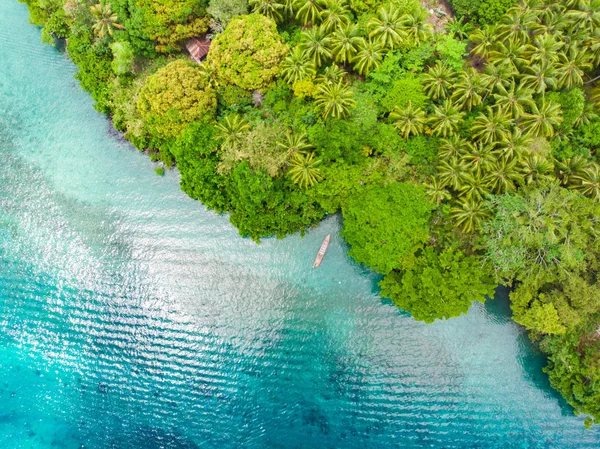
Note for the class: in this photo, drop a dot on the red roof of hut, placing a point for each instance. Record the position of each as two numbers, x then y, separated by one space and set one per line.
198 48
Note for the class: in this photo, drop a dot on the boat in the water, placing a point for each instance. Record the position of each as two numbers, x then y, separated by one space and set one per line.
322 250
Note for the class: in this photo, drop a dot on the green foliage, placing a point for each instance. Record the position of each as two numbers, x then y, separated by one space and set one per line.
262 206
225 10
195 153
123 57
403 91
417 58
168 23
174 96
542 235
491 11
452 52
258 147
234 98
482 11
248 53
422 150
95 67
572 104
574 370
384 225
465 8
438 285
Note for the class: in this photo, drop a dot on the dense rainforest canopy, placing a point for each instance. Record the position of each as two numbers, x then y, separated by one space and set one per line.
460 150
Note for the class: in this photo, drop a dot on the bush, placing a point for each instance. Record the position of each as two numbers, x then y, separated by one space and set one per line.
174 96
225 10
248 53
168 22
123 57
95 68
452 52
385 225
404 90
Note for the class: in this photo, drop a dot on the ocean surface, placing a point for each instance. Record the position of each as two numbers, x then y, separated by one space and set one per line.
132 318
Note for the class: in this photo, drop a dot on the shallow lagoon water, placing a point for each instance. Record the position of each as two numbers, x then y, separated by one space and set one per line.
132 318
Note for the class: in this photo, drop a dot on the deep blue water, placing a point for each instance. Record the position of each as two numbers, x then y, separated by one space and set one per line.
132 318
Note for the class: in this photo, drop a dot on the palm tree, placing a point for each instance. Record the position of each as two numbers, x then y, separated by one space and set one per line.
210 75
232 130
458 28
316 45
570 171
536 169
515 26
335 15
308 11
479 157
469 214
484 40
304 170
496 76
571 67
452 172
295 143
387 27
369 56
331 75
334 100
453 147
502 174
468 90
474 187
590 182
587 116
438 80
592 46
437 191
297 66
586 16
105 20
539 76
514 100
595 96
409 120
415 27
491 127
446 119
512 54
271 8
542 120
345 42
546 48
515 144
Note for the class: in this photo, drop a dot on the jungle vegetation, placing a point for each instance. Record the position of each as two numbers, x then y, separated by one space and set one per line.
460 157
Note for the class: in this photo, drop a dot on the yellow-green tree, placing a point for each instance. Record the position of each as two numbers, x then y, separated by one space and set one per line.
248 53
174 96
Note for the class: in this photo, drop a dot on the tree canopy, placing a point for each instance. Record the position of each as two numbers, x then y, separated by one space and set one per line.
384 225
248 53
174 96
438 285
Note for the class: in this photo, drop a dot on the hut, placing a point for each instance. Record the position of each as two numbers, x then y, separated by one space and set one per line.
198 48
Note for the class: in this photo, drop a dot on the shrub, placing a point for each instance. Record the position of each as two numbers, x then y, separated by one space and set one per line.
248 53
174 96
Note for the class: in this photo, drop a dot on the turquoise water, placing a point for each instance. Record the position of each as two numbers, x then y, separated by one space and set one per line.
132 318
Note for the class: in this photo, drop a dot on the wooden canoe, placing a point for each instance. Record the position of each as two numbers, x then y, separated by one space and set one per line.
322 250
